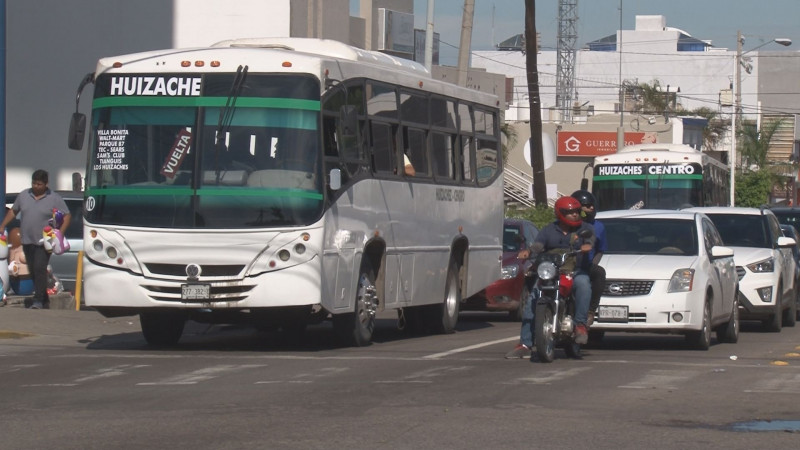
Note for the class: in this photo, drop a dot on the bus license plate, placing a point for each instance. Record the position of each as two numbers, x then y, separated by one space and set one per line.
195 291
613 313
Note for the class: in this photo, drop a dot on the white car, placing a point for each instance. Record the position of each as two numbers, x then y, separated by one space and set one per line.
764 263
667 272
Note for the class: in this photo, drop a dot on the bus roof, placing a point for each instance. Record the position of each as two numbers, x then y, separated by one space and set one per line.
290 55
658 148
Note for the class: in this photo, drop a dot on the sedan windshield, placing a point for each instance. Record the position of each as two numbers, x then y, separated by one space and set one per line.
647 236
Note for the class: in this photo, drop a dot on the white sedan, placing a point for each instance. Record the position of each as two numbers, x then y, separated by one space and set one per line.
667 272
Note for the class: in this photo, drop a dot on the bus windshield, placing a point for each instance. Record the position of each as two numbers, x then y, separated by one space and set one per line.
222 151
652 193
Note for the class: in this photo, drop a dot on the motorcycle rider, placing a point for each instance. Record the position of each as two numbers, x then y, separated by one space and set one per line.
561 234
597 274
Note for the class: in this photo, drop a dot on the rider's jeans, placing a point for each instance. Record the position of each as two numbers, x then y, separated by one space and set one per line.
582 290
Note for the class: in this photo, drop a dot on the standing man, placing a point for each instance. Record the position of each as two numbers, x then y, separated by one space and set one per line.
597 274
36 205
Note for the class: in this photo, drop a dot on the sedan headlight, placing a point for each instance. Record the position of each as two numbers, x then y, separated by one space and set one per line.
681 281
508 272
767 265
546 270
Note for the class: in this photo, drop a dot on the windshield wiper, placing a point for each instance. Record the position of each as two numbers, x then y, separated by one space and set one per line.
226 117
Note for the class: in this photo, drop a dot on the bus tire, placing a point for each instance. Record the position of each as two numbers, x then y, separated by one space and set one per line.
356 328
442 318
162 329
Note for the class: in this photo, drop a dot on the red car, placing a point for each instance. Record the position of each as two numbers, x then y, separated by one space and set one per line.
506 293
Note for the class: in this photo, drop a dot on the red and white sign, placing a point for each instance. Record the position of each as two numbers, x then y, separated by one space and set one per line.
177 154
597 143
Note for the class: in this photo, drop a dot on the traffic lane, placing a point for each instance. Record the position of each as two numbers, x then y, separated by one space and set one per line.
312 399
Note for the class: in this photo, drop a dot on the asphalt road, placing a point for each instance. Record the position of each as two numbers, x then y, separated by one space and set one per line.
77 380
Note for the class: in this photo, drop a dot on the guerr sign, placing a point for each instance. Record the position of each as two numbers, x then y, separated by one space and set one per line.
597 143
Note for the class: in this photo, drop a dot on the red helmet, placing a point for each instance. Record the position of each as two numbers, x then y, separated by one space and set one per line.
564 205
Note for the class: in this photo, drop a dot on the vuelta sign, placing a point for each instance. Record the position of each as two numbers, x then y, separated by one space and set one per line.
597 143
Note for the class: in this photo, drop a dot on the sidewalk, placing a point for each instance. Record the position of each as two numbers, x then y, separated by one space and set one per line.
61 326
63 300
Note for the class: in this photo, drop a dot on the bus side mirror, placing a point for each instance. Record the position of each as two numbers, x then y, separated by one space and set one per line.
77 128
335 179
585 184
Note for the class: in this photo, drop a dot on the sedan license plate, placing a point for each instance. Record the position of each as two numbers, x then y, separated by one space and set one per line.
195 291
612 313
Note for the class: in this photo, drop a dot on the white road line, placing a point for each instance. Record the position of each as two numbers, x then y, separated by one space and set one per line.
203 374
661 379
468 348
548 376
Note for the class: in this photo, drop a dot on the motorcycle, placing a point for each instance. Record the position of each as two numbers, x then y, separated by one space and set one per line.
554 310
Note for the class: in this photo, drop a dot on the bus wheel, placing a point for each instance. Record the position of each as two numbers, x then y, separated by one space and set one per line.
442 318
356 328
162 329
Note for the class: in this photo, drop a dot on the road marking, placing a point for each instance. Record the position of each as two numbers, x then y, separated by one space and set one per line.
786 385
200 375
661 379
468 348
110 372
308 378
427 376
548 376
18 367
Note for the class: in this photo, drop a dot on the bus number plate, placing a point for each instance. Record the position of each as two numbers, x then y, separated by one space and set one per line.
613 313
195 291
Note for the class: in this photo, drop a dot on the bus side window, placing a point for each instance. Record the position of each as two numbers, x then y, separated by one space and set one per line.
382 147
416 148
443 156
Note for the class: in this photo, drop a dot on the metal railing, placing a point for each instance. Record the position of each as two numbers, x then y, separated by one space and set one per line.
516 187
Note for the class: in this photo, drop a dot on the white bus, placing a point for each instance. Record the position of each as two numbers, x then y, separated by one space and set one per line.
659 176
262 180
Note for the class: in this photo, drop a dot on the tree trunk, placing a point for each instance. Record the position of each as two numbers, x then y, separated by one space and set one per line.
531 66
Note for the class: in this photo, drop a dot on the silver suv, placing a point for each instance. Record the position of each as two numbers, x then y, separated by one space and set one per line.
764 263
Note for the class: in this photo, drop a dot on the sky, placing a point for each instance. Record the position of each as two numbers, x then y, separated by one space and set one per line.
716 20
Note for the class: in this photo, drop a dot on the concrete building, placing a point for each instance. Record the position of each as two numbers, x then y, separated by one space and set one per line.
689 70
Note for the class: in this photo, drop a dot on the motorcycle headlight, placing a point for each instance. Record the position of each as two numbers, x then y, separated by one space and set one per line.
767 265
508 272
546 270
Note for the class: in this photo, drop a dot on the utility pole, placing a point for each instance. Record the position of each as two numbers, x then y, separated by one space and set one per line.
737 111
565 64
466 41
531 67
429 37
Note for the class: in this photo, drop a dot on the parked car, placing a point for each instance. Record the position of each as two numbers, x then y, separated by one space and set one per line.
507 293
667 272
65 266
764 263
788 215
790 231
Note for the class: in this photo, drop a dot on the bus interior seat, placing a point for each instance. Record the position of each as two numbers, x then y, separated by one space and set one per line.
226 177
291 179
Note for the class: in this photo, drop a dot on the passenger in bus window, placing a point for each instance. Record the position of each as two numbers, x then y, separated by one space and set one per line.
408 168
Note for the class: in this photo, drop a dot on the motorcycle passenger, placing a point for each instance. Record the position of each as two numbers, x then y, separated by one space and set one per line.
597 274
561 234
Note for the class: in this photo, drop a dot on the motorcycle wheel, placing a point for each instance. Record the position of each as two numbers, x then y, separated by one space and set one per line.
544 334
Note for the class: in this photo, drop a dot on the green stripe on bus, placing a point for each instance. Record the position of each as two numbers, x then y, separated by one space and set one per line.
194 102
647 177
207 191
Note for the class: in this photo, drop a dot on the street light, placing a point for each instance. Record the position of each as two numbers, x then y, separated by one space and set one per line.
737 111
